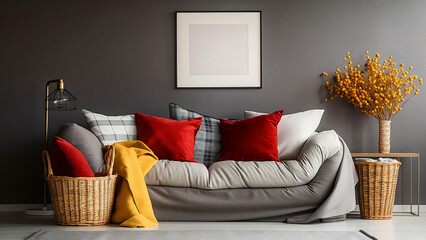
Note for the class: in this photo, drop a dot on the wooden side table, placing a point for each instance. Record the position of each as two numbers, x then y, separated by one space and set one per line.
400 156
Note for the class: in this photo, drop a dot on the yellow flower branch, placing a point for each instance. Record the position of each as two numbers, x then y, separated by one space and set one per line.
379 90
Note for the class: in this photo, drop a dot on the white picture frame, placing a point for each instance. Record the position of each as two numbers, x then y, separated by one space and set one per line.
218 49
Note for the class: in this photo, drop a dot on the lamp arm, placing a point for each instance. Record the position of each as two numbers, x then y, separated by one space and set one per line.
46 117
60 83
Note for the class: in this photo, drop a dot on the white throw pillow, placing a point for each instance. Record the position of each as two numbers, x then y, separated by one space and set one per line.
293 131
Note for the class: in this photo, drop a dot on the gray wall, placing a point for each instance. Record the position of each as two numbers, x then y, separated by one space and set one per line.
117 57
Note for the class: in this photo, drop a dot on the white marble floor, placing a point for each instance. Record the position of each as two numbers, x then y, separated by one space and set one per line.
17 225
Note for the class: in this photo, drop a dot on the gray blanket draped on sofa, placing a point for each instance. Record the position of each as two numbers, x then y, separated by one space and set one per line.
328 197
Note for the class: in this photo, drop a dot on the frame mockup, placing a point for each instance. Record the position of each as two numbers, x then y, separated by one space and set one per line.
218 49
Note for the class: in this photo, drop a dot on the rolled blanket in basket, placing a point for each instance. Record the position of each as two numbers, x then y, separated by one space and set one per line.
132 207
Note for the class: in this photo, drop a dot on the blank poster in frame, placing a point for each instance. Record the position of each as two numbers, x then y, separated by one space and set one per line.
218 49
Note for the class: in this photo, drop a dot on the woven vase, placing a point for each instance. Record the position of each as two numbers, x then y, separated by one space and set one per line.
384 136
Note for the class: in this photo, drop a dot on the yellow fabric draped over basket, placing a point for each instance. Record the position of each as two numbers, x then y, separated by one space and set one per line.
132 207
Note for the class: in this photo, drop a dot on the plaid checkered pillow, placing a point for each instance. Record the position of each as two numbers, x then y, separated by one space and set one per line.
208 141
111 129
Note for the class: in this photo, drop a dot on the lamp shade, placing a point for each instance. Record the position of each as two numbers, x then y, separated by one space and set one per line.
61 100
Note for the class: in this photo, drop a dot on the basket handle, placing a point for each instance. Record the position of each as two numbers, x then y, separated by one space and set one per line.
109 160
46 163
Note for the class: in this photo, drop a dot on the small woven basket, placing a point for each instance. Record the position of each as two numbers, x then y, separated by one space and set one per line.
376 188
82 200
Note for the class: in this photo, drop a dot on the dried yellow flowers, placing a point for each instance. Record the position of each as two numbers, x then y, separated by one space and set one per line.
379 89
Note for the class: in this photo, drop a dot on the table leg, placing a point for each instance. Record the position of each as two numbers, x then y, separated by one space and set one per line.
411 185
418 186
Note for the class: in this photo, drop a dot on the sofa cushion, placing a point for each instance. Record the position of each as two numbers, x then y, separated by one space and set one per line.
111 129
253 139
248 174
68 160
293 130
168 138
208 141
86 142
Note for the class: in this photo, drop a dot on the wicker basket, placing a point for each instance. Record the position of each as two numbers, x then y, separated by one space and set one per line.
376 188
81 200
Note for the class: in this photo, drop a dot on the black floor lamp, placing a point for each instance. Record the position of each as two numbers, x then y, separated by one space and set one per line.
58 100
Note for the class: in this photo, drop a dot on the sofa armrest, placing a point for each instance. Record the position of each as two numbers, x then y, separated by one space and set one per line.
318 148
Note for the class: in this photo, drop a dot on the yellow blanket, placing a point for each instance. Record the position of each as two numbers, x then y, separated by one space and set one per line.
132 207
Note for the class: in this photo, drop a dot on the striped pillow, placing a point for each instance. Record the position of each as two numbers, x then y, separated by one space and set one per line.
111 129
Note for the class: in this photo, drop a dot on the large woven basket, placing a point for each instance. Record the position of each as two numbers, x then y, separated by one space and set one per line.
376 188
82 200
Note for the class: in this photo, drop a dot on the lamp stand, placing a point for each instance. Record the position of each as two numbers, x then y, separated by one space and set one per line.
44 211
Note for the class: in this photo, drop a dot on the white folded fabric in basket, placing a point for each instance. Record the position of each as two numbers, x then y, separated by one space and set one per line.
383 160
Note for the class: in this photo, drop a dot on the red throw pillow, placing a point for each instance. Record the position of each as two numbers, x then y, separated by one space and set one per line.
68 160
167 138
253 139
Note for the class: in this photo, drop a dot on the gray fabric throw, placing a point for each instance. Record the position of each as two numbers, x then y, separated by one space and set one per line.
199 235
330 194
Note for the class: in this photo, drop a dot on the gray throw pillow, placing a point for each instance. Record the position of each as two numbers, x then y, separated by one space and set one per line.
208 141
86 142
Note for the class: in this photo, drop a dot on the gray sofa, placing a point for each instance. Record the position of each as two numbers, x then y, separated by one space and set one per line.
317 186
